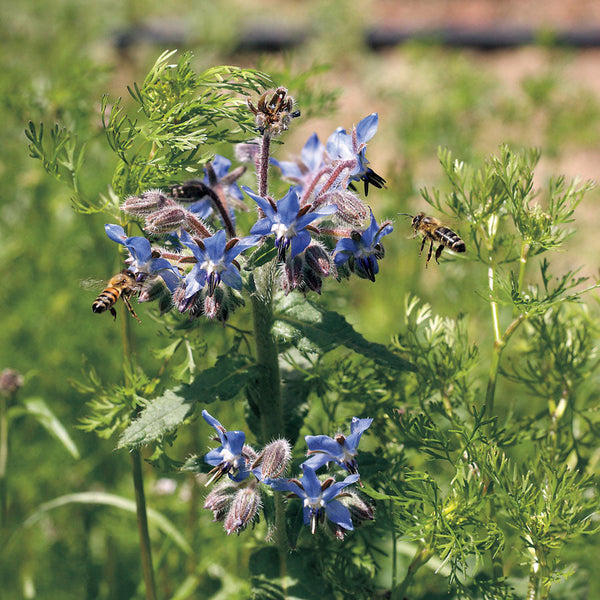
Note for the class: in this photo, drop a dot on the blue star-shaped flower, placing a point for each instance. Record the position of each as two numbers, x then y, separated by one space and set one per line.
229 456
343 450
364 248
312 160
215 262
319 499
143 262
352 146
287 221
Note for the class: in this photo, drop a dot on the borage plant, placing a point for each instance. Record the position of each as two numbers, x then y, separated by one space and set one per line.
203 257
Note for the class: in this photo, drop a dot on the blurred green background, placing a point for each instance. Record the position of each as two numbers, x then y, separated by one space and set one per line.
60 57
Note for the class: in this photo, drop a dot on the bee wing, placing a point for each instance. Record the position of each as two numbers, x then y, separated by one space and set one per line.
93 284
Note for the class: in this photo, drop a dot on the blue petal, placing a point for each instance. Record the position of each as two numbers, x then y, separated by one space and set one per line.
339 514
243 244
215 245
213 422
188 241
262 227
323 443
312 153
333 490
288 168
235 442
140 248
357 428
214 457
285 485
220 165
171 280
288 207
202 209
262 203
232 278
339 145
310 482
299 243
195 281
368 236
316 461
116 233
367 128
242 473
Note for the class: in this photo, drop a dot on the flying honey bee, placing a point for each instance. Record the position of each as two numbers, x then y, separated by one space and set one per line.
122 285
434 231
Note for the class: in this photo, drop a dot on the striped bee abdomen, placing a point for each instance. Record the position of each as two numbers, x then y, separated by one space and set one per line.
448 238
106 299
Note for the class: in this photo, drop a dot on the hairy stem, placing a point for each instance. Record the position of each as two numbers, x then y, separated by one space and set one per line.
262 167
268 397
142 520
3 460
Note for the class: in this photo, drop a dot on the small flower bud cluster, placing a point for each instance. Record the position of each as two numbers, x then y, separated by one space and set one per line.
237 500
11 381
305 272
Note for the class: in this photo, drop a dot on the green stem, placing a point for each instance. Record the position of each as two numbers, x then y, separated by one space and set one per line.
268 391
142 519
394 550
422 555
3 460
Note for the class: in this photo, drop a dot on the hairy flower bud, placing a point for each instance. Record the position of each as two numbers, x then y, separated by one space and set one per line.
350 208
273 460
246 503
359 509
166 220
219 499
10 381
247 152
318 259
146 203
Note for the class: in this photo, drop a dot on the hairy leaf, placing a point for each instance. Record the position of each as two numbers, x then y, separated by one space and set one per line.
306 325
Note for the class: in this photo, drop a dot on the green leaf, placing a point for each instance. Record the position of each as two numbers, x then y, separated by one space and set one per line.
160 417
309 326
224 380
154 517
164 414
36 407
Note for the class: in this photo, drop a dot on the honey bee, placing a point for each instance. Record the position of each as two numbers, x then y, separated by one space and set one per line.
122 285
434 231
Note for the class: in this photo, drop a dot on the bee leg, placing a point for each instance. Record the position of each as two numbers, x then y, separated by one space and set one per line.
130 308
429 254
113 312
422 245
438 253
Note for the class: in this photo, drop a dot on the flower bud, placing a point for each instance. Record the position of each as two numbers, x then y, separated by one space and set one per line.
359 509
10 381
247 152
246 503
350 208
219 499
273 460
148 202
318 260
166 220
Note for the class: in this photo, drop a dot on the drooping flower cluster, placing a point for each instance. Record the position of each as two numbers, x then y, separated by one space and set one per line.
320 227
237 500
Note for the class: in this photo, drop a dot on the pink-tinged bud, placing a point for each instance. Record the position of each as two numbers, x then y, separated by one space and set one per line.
166 220
246 504
274 459
350 208
312 281
146 203
249 453
247 152
10 381
318 259
219 499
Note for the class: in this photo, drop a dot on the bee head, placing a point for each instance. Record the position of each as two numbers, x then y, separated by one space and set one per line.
417 220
